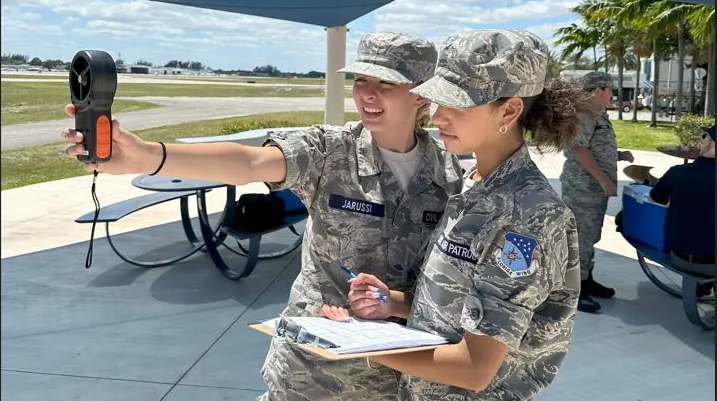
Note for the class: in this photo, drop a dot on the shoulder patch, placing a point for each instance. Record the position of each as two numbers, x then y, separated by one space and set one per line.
516 258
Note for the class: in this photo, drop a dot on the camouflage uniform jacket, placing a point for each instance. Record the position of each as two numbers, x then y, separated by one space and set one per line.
359 217
599 138
505 264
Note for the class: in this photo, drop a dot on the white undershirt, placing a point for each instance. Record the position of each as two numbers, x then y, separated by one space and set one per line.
403 165
467 183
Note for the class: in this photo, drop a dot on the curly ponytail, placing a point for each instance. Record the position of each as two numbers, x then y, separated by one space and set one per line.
552 118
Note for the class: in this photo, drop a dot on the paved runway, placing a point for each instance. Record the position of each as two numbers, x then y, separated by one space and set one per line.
176 110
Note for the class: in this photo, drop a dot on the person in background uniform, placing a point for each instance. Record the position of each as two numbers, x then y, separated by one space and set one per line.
374 191
689 192
588 180
502 277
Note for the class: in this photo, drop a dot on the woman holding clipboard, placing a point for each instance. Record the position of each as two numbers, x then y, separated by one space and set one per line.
501 279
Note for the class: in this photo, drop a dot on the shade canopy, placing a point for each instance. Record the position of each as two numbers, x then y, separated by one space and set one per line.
326 13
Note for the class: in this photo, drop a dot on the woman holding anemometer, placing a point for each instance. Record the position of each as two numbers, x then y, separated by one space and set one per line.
501 279
374 192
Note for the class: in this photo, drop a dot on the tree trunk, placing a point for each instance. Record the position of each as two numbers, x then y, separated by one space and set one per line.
620 68
637 89
595 63
709 94
693 91
656 86
606 60
680 68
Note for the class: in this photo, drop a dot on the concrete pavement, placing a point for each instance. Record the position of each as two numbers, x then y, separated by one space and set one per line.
116 332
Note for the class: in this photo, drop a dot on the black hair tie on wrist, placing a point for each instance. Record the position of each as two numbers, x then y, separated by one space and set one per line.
164 157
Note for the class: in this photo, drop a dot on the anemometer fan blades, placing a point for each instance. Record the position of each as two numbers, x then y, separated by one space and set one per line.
80 82
93 83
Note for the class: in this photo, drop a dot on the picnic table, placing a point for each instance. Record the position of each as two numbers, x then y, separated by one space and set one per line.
165 188
686 154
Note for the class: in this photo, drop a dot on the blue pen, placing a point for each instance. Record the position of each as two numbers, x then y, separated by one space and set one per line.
352 276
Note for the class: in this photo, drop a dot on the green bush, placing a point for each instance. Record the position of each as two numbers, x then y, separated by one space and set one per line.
239 126
689 129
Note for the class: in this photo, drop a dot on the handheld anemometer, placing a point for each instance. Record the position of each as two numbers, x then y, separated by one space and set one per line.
93 84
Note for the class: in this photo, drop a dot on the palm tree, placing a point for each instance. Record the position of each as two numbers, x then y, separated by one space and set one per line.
668 13
600 14
698 54
701 22
577 40
629 11
554 65
640 48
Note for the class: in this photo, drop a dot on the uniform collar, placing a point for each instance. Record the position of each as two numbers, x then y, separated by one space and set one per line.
437 166
367 153
504 171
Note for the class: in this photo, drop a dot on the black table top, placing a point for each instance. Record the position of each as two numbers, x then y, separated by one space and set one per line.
161 183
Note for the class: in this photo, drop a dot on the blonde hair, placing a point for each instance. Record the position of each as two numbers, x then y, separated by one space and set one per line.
423 116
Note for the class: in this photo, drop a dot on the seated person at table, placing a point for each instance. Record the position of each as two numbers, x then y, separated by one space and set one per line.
689 192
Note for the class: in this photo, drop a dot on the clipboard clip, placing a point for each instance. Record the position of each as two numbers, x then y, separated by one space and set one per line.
294 333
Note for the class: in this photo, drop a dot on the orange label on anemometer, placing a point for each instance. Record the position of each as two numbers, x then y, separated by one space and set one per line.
103 133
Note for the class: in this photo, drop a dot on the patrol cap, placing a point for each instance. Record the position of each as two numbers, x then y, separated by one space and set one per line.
394 57
597 79
482 66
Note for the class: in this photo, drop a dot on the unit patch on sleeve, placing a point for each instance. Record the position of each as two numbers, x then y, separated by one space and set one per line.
516 258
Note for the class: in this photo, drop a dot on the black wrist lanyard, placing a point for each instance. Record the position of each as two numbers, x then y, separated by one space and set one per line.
88 259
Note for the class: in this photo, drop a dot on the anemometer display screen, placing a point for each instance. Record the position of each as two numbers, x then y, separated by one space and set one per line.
93 84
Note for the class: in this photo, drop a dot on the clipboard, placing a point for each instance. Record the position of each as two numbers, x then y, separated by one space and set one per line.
327 354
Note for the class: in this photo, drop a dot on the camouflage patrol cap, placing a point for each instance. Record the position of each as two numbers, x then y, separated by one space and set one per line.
481 66
395 57
597 79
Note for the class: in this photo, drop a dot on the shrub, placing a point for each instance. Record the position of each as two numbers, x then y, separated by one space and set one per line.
239 126
689 129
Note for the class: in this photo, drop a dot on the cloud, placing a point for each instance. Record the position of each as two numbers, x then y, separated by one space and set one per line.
439 19
159 32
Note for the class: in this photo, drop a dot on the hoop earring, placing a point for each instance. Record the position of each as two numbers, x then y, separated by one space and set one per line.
503 129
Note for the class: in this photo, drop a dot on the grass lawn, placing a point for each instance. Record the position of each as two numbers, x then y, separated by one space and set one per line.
42 163
36 76
24 102
639 135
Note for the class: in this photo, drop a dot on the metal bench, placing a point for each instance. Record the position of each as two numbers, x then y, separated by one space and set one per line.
117 211
687 291
295 212
252 253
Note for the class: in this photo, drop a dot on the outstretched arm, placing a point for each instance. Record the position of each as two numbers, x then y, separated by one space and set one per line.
227 162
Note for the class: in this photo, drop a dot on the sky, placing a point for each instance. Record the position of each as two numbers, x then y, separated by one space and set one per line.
160 32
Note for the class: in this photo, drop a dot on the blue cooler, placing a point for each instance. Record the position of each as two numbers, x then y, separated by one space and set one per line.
643 219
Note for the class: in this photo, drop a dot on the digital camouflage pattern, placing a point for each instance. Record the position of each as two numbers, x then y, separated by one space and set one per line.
394 57
358 217
505 265
589 213
582 192
597 79
598 137
481 66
